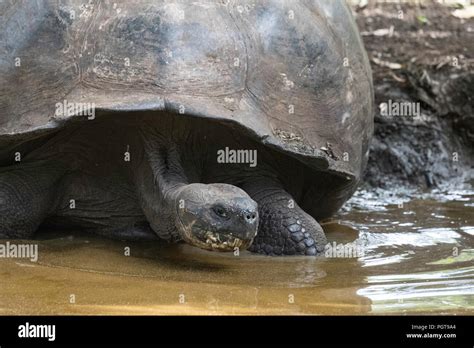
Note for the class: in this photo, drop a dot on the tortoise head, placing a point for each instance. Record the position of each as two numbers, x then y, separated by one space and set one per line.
218 217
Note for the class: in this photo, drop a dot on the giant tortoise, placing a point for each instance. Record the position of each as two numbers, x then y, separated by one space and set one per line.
224 124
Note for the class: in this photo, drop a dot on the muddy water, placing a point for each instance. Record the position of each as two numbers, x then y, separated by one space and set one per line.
412 256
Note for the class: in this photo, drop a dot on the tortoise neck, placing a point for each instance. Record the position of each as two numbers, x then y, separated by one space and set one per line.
159 178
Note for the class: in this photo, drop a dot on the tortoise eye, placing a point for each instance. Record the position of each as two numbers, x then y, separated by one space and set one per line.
220 211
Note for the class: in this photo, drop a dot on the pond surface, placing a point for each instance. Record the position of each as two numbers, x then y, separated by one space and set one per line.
413 256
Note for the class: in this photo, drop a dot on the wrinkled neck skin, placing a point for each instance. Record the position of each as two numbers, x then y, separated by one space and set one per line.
159 178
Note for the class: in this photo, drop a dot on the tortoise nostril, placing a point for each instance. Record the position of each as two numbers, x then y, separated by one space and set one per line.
250 217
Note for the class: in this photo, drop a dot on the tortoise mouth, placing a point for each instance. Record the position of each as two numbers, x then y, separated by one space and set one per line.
215 241
221 241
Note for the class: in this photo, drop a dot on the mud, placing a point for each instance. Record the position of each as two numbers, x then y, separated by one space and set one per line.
420 54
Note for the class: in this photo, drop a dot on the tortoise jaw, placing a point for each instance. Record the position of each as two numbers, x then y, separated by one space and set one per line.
213 241
216 241
223 242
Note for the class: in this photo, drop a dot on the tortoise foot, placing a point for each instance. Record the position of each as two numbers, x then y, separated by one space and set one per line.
286 229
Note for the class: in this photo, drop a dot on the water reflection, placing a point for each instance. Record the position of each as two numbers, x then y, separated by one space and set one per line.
425 263
436 291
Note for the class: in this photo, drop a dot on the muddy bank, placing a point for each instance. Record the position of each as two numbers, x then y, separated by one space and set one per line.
424 56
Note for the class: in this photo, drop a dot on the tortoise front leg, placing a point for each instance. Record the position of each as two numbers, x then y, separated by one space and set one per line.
27 193
284 228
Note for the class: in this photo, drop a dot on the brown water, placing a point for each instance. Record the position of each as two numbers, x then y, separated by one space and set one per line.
419 258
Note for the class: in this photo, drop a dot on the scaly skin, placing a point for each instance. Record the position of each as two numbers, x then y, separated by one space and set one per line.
27 197
285 228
